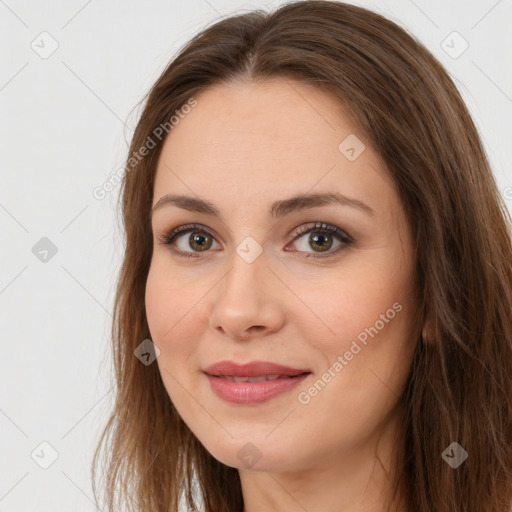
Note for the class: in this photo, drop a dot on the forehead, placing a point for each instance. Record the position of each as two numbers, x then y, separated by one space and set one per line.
260 118
267 140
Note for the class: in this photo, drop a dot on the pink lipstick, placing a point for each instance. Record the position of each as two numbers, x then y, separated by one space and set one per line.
254 382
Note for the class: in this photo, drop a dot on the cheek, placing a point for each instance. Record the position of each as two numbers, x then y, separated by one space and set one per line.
357 302
177 321
157 299
375 351
168 299
168 311
170 307
373 320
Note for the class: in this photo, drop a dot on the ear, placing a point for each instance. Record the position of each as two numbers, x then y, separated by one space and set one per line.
426 333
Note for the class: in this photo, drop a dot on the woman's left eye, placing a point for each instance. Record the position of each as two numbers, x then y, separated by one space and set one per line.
200 239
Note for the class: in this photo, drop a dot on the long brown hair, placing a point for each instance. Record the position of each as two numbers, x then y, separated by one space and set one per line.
460 383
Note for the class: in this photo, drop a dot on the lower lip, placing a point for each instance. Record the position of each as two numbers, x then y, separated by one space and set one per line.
253 392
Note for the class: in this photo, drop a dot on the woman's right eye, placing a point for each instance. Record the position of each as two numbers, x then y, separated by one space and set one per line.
199 237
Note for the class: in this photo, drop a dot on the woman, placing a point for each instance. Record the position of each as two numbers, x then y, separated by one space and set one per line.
314 310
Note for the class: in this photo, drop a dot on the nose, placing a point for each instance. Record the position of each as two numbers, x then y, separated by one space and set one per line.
247 301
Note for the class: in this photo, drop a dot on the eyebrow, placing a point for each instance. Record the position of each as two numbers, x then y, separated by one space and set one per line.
278 209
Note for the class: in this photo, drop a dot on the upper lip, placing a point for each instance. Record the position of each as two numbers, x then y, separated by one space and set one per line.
252 369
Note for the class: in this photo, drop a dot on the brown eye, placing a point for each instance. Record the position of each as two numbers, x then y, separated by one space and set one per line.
200 241
320 239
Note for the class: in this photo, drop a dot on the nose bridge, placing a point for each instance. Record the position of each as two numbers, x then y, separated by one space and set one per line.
248 273
244 298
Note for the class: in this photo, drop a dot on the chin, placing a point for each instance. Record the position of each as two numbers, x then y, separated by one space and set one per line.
249 453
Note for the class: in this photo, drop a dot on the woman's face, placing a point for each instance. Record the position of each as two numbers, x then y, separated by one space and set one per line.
336 306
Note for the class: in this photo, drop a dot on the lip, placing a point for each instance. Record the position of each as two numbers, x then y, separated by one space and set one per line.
252 369
252 392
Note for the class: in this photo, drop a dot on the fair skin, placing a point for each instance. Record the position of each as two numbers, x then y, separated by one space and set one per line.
244 146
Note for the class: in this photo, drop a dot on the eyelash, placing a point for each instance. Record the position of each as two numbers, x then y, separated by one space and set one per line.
317 227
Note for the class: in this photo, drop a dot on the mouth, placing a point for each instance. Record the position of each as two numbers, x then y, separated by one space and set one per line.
261 378
252 383
253 369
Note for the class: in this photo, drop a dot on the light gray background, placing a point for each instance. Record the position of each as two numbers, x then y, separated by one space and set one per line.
65 122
